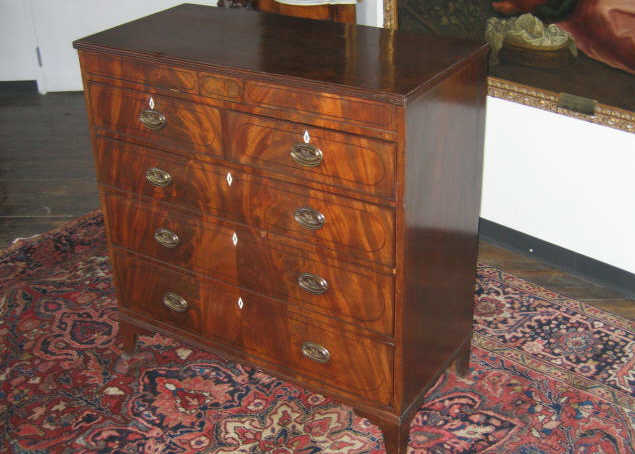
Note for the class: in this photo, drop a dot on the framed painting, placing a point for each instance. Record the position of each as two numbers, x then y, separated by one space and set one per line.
574 57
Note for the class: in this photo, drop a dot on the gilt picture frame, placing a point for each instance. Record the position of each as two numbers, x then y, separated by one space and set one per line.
552 89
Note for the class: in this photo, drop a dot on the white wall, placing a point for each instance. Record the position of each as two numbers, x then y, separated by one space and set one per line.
565 181
370 12
59 23
17 42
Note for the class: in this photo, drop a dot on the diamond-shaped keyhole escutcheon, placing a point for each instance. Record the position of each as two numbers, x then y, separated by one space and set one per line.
229 179
240 303
307 137
235 239
151 103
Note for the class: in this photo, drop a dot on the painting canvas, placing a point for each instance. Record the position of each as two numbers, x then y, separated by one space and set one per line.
582 47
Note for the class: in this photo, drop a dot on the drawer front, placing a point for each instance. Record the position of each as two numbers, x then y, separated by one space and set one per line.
315 154
322 104
259 325
213 310
340 225
158 76
161 120
159 233
345 361
158 293
327 287
178 80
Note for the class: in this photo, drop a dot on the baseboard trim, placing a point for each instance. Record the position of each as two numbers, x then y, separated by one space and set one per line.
572 262
18 85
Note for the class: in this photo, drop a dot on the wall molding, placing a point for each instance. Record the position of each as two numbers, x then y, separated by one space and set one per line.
605 115
570 261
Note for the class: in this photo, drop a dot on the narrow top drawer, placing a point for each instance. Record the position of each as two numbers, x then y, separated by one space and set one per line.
178 80
159 76
235 88
375 114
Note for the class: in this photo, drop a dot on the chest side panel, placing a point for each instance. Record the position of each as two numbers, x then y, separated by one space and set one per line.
442 192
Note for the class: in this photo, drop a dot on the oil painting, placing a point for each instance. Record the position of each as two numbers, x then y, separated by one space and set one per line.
581 47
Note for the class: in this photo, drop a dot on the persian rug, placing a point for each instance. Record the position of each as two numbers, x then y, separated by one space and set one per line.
548 375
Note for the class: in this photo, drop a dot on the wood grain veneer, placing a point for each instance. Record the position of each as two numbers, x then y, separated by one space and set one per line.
364 246
363 231
159 76
351 161
189 126
354 293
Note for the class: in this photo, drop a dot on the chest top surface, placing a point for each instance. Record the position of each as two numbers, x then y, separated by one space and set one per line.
393 65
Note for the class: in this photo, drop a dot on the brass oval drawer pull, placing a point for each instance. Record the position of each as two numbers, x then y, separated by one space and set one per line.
306 155
312 283
175 302
166 238
152 119
158 177
309 218
315 352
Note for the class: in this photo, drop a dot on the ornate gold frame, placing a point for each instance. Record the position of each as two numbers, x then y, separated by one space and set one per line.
610 116
605 115
390 14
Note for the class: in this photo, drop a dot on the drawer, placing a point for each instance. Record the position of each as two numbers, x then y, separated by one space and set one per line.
157 76
211 309
178 80
160 120
328 105
353 363
325 286
259 325
337 159
159 294
311 219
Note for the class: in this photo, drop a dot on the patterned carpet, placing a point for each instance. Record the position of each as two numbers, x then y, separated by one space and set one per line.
548 375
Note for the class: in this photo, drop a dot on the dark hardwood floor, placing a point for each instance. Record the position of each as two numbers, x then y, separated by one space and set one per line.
554 279
47 178
46 169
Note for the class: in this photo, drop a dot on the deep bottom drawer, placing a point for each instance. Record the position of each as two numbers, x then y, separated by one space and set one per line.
216 312
158 293
211 309
353 363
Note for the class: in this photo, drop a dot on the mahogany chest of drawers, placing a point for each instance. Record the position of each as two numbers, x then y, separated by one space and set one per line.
300 195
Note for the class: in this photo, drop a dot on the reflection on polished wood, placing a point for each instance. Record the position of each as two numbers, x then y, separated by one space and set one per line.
319 63
337 13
